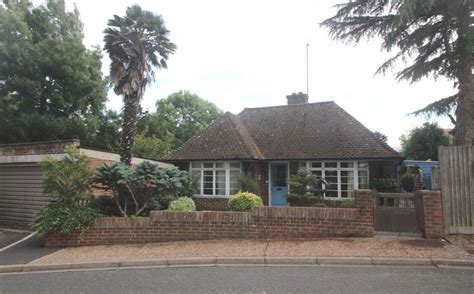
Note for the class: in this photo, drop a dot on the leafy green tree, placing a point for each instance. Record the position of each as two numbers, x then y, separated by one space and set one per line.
422 143
69 179
181 115
152 147
435 36
51 86
136 43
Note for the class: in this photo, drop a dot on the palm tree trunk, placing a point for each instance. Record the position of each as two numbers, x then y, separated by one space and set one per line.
129 127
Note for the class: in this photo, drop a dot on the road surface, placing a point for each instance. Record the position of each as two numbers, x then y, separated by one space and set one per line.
246 279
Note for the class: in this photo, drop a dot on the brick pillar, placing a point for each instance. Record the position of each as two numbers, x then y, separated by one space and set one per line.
364 202
432 214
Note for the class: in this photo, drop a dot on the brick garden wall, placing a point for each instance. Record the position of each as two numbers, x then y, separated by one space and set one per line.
277 223
432 214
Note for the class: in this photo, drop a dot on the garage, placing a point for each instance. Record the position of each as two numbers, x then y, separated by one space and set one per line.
21 193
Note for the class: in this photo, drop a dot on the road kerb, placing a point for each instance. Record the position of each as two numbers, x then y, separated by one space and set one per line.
290 260
143 262
240 260
452 262
199 261
46 267
99 264
400 261
192 261
345 260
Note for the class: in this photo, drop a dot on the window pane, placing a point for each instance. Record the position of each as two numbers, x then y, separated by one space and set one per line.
208 182
195 165
316 164
317 173
219 165
347 165
330 164
220 182
235 165
363 165
208 165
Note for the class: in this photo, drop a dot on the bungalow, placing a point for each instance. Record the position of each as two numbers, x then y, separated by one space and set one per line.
271 143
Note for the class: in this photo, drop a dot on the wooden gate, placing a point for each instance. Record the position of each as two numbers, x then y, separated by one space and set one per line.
397 212
457 188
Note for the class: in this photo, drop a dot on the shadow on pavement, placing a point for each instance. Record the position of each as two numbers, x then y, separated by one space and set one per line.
25 252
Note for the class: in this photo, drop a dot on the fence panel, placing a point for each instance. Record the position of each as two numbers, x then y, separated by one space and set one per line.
457 187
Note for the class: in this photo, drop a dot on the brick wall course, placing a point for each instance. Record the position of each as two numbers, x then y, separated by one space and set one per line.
277 223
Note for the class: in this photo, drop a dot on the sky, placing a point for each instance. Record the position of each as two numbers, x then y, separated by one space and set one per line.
246 53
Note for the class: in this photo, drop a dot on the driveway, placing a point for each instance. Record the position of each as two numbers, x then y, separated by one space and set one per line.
25 251
8 237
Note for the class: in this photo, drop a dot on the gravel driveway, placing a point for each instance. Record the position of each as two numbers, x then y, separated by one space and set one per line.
377 246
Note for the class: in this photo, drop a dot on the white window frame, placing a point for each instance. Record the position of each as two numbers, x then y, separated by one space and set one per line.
355 171
227 169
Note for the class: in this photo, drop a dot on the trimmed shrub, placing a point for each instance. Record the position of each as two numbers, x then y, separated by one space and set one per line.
58 217
244 201
182 204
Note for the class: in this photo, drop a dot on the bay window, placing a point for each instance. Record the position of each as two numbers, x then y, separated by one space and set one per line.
343 176
217 178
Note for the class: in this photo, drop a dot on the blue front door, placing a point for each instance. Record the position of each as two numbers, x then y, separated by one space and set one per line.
278 183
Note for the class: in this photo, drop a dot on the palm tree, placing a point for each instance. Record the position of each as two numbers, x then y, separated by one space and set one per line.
136 43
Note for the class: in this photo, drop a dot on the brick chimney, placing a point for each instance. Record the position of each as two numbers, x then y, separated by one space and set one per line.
297 98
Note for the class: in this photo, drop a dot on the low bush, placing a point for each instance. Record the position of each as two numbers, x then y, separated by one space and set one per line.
388 185
244 201
407 182
58 217
182 204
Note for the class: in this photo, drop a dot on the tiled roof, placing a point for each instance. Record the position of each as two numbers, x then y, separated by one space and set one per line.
305 131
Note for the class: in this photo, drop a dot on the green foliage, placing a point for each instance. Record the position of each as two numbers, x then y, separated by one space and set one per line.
67 180
348 203
385 185
179 117
434 37
247 184
105 204
136 43
422 143
51 86
407 181
182 204
244 201
58 217
302 186
137 190
152 147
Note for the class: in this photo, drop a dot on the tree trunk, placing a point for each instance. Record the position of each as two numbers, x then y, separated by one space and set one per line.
129 127
464 129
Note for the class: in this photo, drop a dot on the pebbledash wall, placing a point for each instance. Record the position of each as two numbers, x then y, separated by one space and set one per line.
278 223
